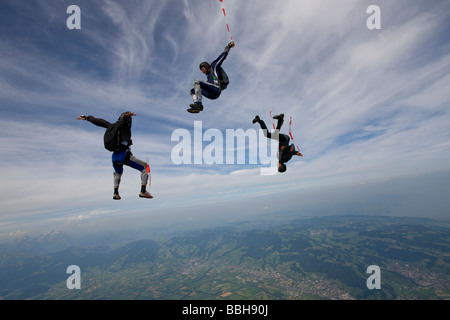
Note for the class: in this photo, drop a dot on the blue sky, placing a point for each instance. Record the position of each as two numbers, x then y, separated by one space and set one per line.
368 105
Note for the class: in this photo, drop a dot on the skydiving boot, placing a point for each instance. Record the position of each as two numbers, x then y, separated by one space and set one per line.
144 193
116 194
280 116
195 107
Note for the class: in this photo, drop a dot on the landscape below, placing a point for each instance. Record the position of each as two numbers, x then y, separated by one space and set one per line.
314 258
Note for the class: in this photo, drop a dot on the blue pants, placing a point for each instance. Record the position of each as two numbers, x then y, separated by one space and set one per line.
125 157
203 88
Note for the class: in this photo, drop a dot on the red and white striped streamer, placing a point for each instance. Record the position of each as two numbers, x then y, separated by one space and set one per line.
273 124
226 20
290 128
290 134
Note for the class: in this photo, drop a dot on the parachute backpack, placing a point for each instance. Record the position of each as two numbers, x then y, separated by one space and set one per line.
111 139
224 81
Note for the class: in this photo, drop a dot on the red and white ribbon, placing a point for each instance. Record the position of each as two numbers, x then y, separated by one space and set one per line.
273 124
226 20
290 128
290 133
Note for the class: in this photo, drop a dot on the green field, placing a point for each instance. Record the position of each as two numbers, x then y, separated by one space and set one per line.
323 258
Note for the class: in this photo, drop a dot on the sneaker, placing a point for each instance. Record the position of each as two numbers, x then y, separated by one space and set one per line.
116 196
145 194
280 116
257 119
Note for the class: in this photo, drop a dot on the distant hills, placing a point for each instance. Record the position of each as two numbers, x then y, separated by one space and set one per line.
319 258
44 243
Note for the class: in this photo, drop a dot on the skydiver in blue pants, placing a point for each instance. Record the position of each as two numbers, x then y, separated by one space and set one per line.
123 156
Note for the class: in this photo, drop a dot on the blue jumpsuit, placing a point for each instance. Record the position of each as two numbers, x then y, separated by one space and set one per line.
209 88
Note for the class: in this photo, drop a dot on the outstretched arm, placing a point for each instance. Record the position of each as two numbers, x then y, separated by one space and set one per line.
294 152
228 47
223 55
97 121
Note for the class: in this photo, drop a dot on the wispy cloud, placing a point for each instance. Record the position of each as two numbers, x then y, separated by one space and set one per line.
365 104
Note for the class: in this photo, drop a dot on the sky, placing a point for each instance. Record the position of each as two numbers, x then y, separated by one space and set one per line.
370 108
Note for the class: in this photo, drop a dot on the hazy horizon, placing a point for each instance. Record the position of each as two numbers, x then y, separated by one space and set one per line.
415 196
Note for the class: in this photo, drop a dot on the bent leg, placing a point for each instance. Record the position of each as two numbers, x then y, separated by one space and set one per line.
209 90
280 123
196 92
143 167
264 129
117 175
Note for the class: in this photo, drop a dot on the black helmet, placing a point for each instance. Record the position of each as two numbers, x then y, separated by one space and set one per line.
282 168
204 64
128 121
123 114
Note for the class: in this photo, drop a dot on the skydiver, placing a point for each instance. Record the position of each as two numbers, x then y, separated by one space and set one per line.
122 155
285 150
211 88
